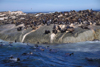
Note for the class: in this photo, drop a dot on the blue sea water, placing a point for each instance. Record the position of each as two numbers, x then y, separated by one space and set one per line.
51 11
56 55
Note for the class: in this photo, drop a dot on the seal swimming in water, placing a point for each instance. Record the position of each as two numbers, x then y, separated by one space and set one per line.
1 43
53 50
69 54
14 59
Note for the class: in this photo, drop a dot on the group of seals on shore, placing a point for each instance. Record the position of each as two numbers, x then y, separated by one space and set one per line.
84 17
62 29
63 21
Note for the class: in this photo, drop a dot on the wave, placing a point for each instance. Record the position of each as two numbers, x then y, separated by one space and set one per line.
87 46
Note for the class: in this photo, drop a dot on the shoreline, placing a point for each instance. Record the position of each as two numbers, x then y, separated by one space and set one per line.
44 44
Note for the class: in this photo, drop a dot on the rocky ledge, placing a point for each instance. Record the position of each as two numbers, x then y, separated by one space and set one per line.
9 32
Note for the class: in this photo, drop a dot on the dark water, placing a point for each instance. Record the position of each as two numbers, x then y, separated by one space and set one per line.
38 12
51 11
83 54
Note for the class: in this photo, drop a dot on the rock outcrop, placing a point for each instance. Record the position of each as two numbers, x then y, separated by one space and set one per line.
9 33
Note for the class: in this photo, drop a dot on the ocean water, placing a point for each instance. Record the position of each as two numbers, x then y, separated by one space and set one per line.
51 11
81 54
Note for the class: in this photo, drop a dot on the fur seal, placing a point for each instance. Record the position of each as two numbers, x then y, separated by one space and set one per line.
1 44
54 31
19 28
70 29
14 59
84 27
69 54
47 32
53 50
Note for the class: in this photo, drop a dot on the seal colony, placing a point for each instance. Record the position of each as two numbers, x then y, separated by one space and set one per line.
63 22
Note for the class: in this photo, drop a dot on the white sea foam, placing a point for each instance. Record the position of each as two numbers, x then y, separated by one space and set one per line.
87 46
88 42
13 59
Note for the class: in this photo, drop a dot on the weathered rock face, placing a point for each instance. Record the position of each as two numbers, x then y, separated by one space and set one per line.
10 33
97 34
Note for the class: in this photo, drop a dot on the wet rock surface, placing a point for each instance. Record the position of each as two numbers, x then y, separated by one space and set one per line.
79 35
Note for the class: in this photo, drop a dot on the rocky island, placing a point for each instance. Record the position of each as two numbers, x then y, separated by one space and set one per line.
57 27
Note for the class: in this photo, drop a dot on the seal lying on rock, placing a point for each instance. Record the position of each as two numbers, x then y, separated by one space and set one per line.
34 27
17 23
84 27
63 30
71 29
54 31
19 28
47 32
